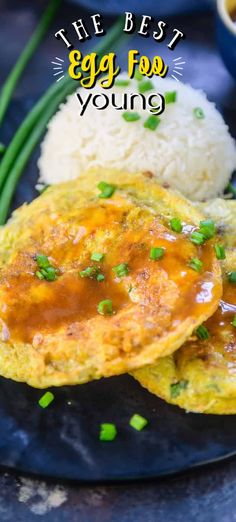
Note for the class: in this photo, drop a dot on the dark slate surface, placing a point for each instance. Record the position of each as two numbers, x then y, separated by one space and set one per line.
201 495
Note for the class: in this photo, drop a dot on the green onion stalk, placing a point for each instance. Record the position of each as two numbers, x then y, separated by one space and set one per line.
15 74
33 126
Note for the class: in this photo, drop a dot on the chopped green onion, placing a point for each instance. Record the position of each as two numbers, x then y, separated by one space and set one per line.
25 56
122 83
144 86
152 123
131 116
100 277
138 422
121 270
108 432
138 75
39 274
105 307
232 277
42 261
196 264
198 113
176 225
177 387
207 228
202 332
90 271
49 273
107 190
170 96
234 321
220 251
46 399
96 256
156 253
197 238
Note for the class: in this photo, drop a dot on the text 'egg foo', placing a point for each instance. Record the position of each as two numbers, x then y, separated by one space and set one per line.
94 319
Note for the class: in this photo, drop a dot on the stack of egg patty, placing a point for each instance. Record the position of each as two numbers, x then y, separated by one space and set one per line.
117 274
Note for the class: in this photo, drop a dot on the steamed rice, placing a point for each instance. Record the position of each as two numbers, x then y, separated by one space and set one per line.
195 156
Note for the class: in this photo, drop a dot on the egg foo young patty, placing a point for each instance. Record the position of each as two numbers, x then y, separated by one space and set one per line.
201 376
94 282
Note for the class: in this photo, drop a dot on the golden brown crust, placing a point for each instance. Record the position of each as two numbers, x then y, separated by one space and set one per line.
52 333
204 371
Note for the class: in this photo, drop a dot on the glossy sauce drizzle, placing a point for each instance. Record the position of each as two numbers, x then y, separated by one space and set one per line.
32 306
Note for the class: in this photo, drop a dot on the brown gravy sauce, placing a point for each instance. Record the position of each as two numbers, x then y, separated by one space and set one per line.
33 306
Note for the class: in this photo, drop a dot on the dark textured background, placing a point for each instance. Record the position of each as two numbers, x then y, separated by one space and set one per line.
206 495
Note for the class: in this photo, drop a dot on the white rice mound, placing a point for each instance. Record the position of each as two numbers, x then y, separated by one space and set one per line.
194 156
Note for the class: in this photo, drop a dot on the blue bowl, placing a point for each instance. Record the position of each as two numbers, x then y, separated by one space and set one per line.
226 34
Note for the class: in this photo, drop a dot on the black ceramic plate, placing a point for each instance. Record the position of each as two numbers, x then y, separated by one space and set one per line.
62 441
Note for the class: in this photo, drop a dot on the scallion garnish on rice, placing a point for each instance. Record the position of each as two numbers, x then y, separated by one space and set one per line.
152 122
198 113
145 86
122 83
131 116
170 96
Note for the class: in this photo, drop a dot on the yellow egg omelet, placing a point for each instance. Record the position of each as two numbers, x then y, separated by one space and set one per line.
94 282
201 375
